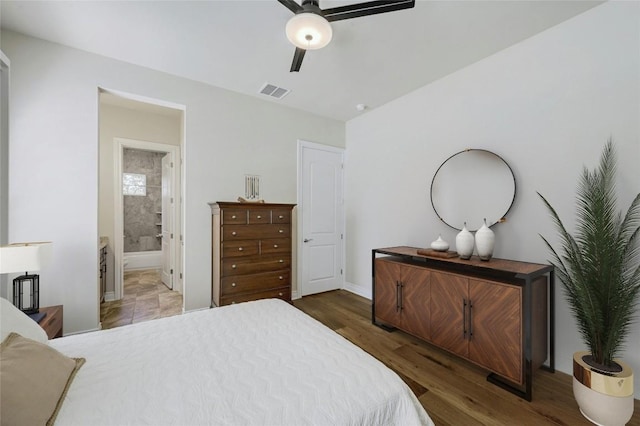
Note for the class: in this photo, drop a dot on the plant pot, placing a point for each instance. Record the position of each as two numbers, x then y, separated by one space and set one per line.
604 398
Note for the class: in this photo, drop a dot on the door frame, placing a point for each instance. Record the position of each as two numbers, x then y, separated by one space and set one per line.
303 146
118 247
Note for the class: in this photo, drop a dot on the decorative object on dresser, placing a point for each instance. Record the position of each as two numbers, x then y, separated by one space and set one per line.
599 269
493 314
440 244
485 242
464 243
24 257
251 252
470 185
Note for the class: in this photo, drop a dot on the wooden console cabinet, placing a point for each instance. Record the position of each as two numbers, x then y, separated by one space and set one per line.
251 252
496 314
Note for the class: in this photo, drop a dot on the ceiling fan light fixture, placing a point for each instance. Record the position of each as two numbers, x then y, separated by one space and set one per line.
309 31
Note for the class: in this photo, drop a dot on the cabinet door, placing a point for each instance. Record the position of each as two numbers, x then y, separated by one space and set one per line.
496 322
387 308
416 298
449 297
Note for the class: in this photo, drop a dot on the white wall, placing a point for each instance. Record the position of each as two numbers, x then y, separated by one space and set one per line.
53 192
546 105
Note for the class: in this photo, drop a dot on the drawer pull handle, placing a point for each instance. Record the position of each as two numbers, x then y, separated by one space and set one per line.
233 284
233 217
281 231
275 246
240 249
280 277
233 233
259 217
281 217
280 294
233 266
233 303
281 261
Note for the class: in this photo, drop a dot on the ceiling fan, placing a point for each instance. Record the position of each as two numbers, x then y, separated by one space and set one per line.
309 28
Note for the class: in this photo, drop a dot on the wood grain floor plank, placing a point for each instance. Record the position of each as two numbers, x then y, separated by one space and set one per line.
453 391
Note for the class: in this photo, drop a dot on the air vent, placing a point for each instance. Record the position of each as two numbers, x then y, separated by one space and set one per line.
274 91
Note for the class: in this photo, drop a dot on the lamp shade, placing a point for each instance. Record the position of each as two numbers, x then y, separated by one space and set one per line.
309 31
24 257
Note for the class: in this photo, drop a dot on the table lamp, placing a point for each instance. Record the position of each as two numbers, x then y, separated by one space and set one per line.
25 257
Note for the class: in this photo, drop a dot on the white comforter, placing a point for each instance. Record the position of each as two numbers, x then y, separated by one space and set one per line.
262 363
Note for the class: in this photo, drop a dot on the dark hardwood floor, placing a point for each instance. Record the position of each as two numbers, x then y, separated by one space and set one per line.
452 391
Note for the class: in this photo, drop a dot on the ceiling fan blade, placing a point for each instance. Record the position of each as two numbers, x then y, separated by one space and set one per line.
298 56
291 5
365 9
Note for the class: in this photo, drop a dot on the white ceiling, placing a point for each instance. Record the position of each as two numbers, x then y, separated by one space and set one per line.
240 45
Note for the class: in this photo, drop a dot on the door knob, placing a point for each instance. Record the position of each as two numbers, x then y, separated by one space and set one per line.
306 240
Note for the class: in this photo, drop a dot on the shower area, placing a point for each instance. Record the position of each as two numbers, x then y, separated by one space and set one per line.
142 208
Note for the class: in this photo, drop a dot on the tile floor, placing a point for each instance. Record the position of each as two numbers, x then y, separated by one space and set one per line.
145 298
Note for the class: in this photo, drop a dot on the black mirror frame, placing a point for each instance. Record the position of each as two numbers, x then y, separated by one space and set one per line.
462 152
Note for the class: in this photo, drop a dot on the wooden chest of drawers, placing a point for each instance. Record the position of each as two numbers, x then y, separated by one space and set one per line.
251 252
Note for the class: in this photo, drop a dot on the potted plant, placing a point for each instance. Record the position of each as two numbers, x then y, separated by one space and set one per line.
599 271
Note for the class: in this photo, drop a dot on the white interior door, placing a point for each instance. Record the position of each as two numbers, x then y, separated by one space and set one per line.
321 205
167 220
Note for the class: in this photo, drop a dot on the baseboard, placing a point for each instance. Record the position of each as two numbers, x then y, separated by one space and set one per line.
360 290
109 296
295 295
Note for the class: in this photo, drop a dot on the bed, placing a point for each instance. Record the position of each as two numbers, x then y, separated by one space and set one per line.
261 362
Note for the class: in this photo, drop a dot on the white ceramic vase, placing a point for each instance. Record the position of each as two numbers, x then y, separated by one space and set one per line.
440 244
464 243
485 241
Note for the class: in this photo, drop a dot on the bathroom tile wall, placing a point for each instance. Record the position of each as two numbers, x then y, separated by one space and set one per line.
142 213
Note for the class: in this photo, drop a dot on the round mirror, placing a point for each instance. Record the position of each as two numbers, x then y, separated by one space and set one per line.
470 186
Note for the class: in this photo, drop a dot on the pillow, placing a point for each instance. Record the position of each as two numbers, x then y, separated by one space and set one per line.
13 320
34 379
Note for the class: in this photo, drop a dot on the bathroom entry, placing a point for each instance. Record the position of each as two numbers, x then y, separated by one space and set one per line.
146 209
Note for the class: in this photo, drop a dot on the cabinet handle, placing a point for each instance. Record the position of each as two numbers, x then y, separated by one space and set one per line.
401 295
281 231
240 249
233 217
281 217
280 294
280 277
470 320
281 261
233 284
275 246
464 318
233 266
233 233
259 217
397 296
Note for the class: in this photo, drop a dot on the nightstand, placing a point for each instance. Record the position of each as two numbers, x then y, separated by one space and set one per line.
52 322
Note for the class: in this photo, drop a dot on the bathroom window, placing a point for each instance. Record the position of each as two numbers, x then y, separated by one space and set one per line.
134 184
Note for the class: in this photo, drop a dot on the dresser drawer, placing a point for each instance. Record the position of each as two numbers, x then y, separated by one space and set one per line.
252 283
283 293
276 245
234 216
240 248
241 266
259 216
254 232
281 216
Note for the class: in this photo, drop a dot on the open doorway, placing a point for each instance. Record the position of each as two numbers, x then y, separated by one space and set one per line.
149 135
145 210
